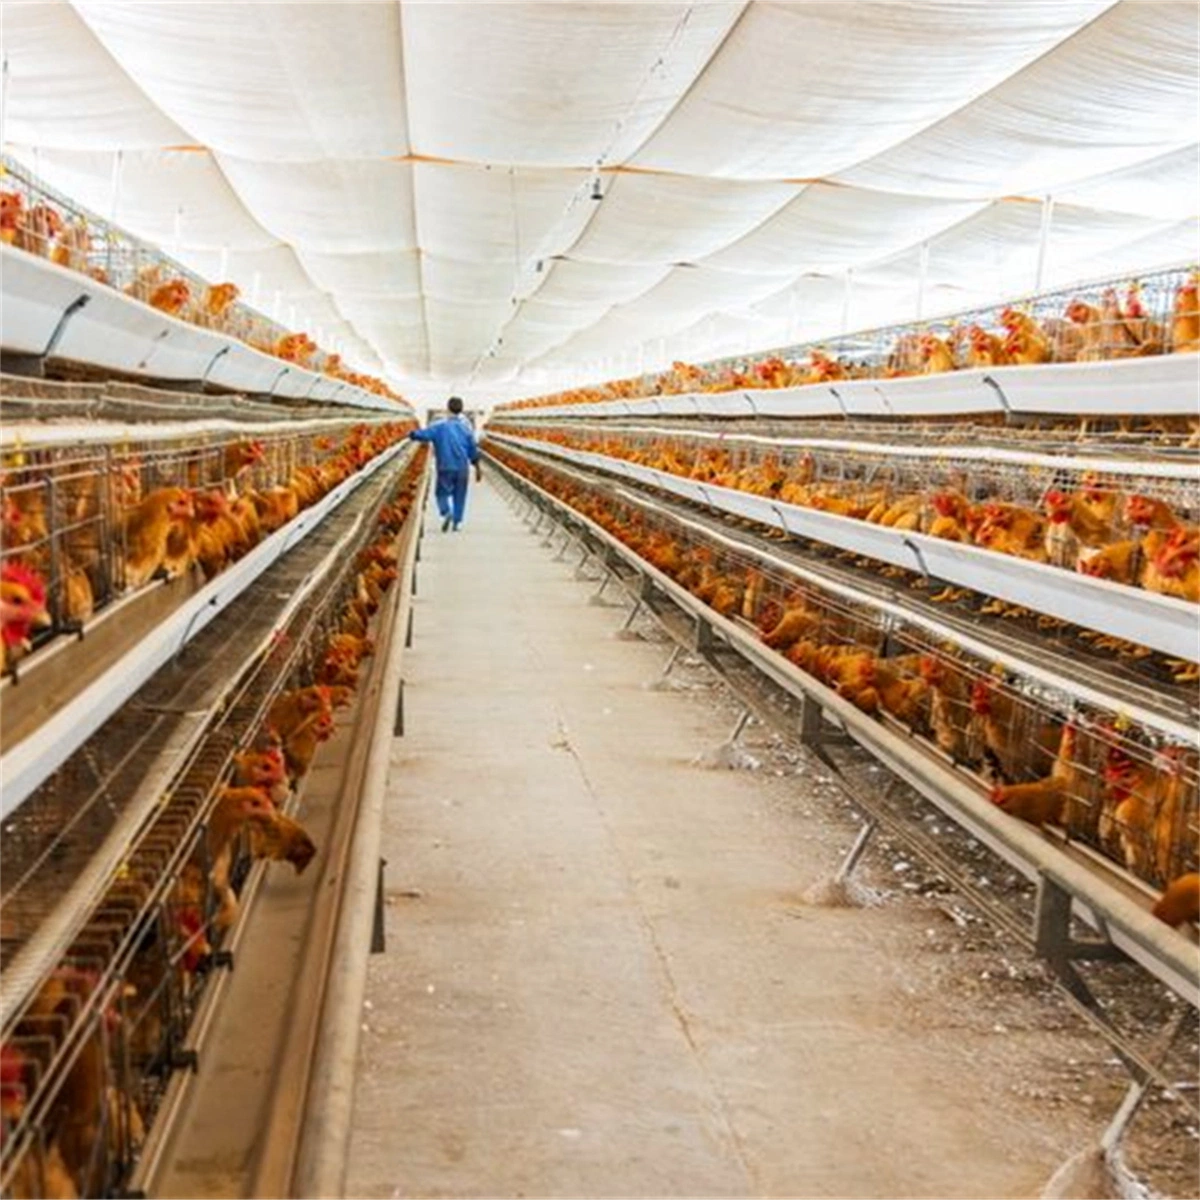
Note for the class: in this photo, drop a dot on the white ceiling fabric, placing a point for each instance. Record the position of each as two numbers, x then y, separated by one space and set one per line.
412 181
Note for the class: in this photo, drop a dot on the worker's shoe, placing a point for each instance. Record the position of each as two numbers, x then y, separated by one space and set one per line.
446 522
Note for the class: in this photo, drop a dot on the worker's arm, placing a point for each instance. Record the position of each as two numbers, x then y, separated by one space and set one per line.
421 435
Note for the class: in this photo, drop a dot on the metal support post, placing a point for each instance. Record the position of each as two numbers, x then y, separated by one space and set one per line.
811 734
378 933
398 723
856 851
633 612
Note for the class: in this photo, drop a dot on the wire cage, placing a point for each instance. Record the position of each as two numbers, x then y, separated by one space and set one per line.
1112 523
42 221
1126 793
69 515
1157 312
88 1057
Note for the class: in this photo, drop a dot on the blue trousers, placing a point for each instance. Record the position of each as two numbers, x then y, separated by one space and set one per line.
451 493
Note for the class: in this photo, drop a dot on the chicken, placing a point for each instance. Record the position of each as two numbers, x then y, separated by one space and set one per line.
37 228
1146 334
950 522
903 691
22 610
79 601
1012 529
949 710
1173 841
73 246
1185 322
219 539
275 507
187 912
219 298
290 710
1095 339
171 297
264 769
985 349
241 456
145 530
12 204
794 623
936 356
234 807
902 513
1134 790
850 671
1174 568
1071 526
1181 901
1026 342
1103 503
281 839
301 744
823 369
1043 801
44 1176
1118 562
1000 725
25 521
89 1112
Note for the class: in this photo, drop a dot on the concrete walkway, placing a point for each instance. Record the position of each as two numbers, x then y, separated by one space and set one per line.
599 980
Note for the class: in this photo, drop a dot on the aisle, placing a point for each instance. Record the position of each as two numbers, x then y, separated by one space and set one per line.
598 978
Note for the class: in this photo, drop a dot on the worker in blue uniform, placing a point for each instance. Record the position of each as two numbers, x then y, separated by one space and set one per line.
455 449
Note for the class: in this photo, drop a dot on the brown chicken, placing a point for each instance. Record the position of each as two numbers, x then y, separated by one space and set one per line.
1026 342
301 744
951 521
292 709
264 769
234 807
1096 342
1133 793
795 622
936 356
241 456
281 839
1185 322
1043 801
146 529
1012 529
219 298
275 507
79 600
1174 568
1181 901
1000 726
171 297
1118 562
1071 526
22 610
903 691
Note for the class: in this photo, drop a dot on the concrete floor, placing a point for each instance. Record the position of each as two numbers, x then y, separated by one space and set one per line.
599 980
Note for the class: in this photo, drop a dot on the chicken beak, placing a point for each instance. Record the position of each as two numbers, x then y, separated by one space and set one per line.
41 619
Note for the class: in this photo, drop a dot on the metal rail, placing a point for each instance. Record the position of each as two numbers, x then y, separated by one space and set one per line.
1162 622
294 990
31 761
1142 695
235 692
1123 920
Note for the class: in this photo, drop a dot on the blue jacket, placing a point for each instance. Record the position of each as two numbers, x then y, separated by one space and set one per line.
453 443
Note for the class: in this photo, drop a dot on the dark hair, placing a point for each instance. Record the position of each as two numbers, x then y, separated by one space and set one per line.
454 404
